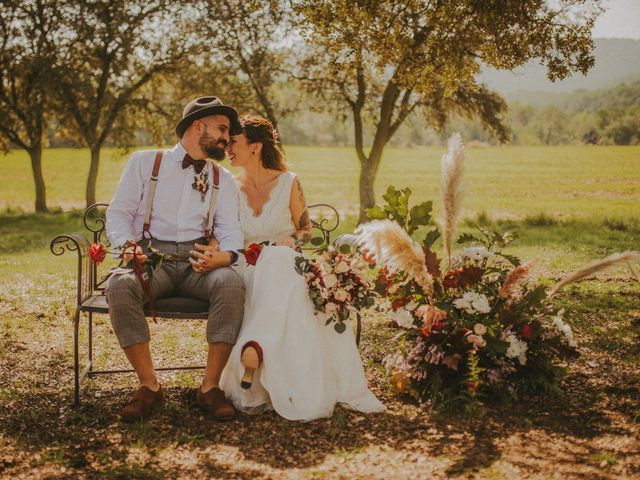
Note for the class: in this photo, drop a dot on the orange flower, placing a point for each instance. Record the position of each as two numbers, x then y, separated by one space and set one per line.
430 316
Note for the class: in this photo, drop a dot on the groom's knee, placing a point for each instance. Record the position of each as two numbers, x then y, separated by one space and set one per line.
125 298
225 285
226 305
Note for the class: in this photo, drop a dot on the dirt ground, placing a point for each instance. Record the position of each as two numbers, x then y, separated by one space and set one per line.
592 431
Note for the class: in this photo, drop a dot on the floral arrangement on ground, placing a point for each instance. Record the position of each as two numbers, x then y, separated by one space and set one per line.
473 325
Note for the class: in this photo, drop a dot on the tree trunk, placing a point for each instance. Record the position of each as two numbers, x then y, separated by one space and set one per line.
93 175
367 196
36 166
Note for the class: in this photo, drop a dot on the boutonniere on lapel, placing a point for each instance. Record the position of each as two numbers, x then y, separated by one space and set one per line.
201 183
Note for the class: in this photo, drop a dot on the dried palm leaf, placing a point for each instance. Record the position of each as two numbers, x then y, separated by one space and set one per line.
515 278
597 266
391 246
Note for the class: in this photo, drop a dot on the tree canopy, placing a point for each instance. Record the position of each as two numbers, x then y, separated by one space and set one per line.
384 59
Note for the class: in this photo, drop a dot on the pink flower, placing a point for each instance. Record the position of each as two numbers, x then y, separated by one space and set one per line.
452 361
479 329
341 295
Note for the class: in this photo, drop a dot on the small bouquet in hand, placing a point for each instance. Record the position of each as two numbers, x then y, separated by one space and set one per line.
338 284
98 252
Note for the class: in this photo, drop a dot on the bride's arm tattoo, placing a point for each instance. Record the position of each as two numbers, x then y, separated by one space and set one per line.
303 227
303 201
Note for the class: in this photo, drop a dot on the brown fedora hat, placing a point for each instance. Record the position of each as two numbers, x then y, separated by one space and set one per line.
203 107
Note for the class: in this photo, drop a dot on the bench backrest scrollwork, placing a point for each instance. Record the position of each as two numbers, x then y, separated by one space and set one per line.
325 220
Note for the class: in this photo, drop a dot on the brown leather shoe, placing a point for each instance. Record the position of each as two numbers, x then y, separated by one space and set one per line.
143 404
216 404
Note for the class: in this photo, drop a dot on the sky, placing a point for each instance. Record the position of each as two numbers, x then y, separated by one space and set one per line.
620 20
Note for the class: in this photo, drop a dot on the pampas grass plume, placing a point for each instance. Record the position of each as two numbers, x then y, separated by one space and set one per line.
597 266
393 248
515 279
452 167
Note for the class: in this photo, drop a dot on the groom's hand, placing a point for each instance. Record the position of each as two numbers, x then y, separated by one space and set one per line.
207 257
128 254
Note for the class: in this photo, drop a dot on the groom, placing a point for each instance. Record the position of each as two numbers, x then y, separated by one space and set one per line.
166 196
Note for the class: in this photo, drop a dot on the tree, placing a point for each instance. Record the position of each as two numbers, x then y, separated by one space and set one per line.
24 83
383 59
109 51
249 35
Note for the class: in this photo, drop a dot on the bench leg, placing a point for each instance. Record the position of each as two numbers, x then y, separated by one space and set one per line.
358 328
76 359
90 333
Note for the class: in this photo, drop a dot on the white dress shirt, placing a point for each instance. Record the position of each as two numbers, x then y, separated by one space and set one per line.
178 213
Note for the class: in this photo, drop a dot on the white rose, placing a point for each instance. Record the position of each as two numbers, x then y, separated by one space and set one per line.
462 303
342 267
330 307
481 304
330 280
476 253
403 318
411 306
479 329
341 295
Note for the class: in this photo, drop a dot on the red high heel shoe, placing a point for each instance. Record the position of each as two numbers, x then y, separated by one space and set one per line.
251 358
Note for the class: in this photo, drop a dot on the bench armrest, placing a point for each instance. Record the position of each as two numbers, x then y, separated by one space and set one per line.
79 243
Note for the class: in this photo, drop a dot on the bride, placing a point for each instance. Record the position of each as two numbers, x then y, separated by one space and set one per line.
285 358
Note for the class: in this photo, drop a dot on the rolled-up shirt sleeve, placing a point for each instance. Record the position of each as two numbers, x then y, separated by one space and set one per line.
226 219
125 203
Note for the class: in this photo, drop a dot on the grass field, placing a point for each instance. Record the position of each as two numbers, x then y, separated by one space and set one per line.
504 182
570 205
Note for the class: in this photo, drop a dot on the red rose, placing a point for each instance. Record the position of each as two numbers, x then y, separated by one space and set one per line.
397 303
97 252
450 280
252 253
438 326
526 331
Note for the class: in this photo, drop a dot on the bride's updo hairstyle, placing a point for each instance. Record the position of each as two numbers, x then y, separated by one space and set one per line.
258 129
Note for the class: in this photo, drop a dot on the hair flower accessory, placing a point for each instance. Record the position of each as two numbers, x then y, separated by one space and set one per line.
276 136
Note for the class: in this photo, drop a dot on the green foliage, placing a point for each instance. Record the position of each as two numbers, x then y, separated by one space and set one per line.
396 208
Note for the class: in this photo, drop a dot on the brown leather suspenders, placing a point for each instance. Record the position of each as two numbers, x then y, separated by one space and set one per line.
208 230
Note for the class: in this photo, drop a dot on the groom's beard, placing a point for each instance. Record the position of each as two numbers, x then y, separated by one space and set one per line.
212 146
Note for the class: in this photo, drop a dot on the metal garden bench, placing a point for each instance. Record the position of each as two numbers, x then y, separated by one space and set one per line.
90 296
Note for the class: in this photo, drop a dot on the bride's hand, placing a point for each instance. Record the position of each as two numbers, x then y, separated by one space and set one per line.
286 242
207 257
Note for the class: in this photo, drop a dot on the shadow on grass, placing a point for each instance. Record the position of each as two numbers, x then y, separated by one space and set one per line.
28 232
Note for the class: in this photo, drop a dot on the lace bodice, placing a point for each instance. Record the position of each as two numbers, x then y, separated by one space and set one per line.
274 222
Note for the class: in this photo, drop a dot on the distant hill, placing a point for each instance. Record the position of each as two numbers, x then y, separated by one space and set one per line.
617 61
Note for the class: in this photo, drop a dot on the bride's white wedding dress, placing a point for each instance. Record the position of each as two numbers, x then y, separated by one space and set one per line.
307 367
